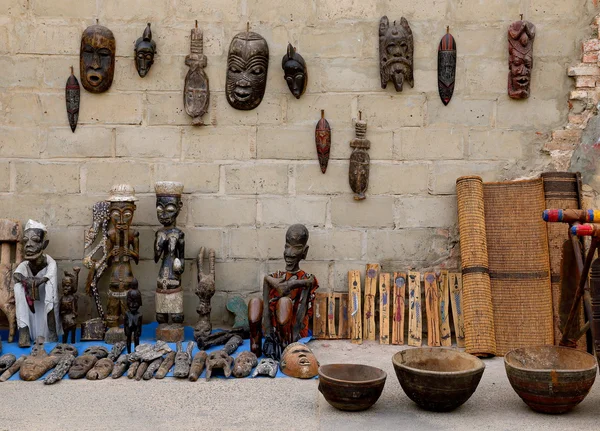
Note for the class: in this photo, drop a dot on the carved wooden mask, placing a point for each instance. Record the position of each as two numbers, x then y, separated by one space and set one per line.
247 65
446 67
196 93
97 58
145 48
520 58
395 53
295 72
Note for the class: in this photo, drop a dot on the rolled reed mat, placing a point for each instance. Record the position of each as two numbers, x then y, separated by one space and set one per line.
562 191
480 336
519 262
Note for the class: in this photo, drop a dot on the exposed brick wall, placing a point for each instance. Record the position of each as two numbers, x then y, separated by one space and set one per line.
250 174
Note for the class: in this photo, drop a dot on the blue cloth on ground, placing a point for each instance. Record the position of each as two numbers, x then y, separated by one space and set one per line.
148 336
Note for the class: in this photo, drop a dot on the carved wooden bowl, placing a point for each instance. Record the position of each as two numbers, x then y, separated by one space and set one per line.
550 379
351 387
438 379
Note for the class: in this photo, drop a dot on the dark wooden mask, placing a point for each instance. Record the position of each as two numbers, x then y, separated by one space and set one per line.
295 72
395 53
247 66
446 67
97 58
196 92
145 48
520 58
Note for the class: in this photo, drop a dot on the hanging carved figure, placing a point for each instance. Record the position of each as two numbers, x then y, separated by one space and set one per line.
446 67
144 50
323 141
72 96
359 160
294 71
97 58
196 93
395 53
520 58
247 66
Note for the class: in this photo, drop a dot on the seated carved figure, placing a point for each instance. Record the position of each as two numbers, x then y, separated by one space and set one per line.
288 294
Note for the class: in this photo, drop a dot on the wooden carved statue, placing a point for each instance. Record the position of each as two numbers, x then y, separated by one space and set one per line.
205 291
446 67
72 96
247 66
323 141
520 58
97 58
395 53
11 254
133 318
123 247
36 288
169 244
359 160
144 50
289 294
295 71
196 94
68 304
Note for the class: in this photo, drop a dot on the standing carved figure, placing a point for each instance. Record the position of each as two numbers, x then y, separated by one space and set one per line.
144 51
446 67
395 53
11 254
124 246
36 288
359 160
169 244
520 58
133 319
97 58
204 291
68 304
94 329
323 141
247 66
196 94
72 96
295 71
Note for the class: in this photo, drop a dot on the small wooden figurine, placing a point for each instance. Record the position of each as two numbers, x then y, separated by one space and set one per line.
133 318
323 141
205 290
359 160
395 53
446 67
196 93
144 51
295 71
68 304
97 58
11 242
520 58
72 97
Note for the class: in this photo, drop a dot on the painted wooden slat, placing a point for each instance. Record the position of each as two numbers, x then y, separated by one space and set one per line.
384 308
457 310
444 292
371 277
354 309
399 296
415 325
432 308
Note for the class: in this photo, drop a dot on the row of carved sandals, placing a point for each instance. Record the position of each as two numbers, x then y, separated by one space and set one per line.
353 315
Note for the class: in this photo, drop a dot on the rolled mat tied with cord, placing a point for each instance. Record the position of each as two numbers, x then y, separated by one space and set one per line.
562 190
480 337
519 263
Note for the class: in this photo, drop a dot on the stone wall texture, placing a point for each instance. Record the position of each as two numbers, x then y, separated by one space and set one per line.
248 175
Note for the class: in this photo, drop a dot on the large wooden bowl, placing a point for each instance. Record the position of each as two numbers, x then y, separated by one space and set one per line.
438 379
351 387
550 379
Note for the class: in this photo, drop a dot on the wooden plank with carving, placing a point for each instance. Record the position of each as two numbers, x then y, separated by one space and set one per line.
343 328
320 317
384 308
415 324
355 302
432 308
331 315
444 292
371 276
457 311
399 295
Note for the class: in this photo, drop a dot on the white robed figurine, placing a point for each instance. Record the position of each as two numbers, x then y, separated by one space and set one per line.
36 289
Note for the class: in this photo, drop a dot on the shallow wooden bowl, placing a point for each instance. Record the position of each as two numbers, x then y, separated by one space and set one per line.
438 379
550 379
351 387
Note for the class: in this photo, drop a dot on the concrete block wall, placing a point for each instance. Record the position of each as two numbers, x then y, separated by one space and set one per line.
248 175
